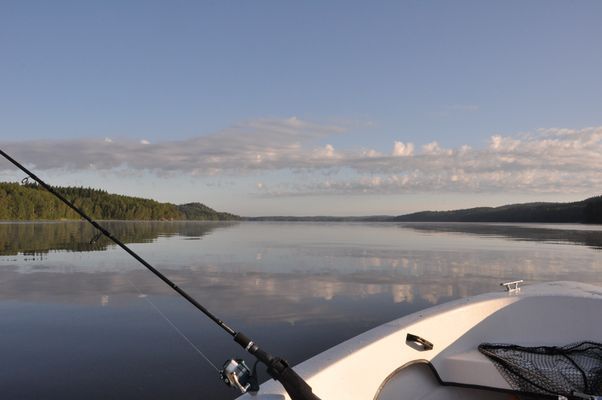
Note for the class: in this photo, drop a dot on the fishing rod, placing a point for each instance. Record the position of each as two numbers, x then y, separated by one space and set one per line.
235 372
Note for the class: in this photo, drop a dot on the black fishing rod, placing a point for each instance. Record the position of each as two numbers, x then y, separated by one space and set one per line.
235 373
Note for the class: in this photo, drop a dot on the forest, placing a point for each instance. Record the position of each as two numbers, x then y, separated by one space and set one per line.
32 202
588 211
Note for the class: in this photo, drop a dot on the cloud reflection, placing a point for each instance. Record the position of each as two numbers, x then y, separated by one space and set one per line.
297 281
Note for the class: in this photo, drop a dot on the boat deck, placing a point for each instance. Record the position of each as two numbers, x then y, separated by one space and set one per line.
379 364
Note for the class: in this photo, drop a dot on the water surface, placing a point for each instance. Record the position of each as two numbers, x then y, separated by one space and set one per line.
75 322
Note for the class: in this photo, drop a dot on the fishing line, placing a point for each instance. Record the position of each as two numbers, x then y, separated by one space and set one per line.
170 322
118 242
234 371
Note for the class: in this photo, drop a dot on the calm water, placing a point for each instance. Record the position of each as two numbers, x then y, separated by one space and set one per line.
73 326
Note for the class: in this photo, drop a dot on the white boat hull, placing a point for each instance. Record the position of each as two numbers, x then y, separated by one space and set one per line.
379 364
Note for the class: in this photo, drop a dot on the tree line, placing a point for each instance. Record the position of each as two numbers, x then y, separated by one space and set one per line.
588 211
32 202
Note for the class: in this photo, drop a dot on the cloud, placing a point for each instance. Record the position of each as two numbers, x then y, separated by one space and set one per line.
548 160
263 144
401 149
499 143
327 152
433 148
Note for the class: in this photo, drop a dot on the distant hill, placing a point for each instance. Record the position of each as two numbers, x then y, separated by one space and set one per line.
198 211
31 202
371 218
587 211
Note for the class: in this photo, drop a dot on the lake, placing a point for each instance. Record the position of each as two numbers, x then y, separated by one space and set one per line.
76 322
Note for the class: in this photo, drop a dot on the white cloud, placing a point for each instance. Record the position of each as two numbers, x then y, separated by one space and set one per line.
264 144
401 149
548 160
562 161
328 151
371 153
500 143
433 148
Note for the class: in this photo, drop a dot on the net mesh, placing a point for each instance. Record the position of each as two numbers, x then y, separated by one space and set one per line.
552 370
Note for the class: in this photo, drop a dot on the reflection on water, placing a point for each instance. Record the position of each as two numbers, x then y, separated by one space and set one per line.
587 235
39 238
308 284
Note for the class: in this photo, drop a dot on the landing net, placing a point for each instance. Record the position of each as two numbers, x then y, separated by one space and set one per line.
566 370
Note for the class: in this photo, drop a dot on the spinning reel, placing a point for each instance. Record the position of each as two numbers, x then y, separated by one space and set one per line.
236 374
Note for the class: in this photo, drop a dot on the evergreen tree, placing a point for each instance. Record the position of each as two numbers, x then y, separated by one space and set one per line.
32 202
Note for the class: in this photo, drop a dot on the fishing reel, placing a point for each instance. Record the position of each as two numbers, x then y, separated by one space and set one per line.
236 374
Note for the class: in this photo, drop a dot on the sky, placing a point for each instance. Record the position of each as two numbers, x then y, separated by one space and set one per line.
307 108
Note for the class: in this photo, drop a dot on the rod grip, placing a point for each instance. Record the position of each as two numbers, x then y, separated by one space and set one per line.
242 339
295 386
278 369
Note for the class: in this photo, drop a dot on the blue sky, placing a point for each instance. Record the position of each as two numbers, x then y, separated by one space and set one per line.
272 107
